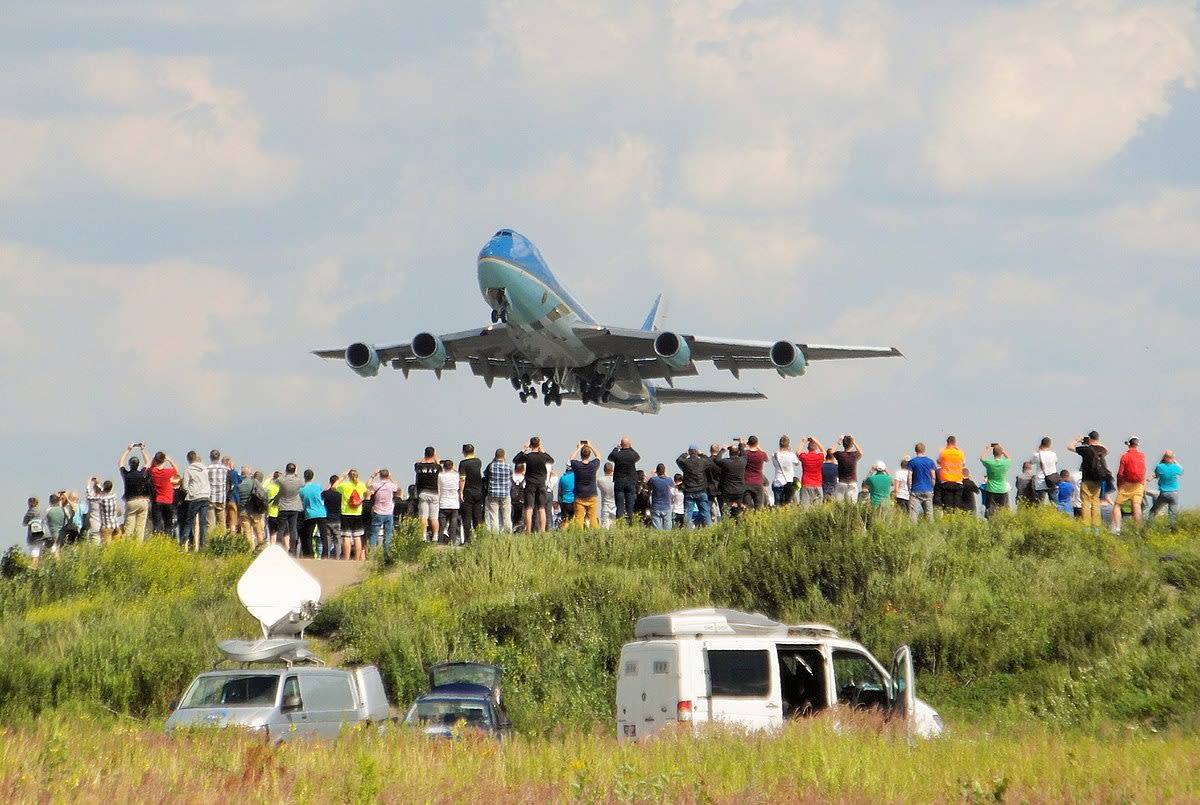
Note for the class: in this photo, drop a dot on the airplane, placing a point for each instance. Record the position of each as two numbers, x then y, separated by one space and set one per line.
540 333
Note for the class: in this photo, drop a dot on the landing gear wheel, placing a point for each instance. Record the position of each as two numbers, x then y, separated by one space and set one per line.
558 400
533 393
495 316
546 400
524 397
516 384
525 380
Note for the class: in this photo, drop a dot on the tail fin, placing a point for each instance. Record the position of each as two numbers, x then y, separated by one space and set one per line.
656 312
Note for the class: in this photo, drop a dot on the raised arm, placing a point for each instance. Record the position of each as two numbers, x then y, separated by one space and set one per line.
124 457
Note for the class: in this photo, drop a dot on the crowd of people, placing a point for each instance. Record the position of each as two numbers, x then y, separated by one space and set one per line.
345 515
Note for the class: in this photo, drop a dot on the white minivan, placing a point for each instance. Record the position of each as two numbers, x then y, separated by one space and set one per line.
744 669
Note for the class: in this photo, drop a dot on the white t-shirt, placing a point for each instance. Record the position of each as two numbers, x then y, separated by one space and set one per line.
901 481
448 489
676 500
785 462
1045 462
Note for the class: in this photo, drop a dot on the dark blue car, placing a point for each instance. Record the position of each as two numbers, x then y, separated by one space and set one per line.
461 696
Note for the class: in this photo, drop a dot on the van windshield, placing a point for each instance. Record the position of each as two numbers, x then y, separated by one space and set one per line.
241 690
448 712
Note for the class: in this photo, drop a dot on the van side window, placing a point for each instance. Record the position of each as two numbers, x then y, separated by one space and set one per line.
802 681
743 673
291 687
326 692
856 680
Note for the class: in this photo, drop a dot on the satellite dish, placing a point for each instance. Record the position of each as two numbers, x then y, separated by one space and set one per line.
275 649
281 594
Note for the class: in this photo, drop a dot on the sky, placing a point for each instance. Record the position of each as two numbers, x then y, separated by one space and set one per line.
195 195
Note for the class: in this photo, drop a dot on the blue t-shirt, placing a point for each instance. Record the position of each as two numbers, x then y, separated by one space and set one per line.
314 504
660 492
566 488
585 477
923 472
1168 477
1066 491
829 477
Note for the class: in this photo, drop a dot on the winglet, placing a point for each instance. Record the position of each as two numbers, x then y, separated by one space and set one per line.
652 317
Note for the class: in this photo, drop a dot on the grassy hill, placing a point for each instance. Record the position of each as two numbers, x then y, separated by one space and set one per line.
1027 616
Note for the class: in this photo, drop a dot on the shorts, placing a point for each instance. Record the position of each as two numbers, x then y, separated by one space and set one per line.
810 495
1128 490
427 506
536 496
42 545
352 525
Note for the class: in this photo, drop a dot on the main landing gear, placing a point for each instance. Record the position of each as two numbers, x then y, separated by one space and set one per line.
551 393
596 392
500 315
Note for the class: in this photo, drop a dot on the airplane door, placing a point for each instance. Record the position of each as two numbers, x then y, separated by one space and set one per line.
743 683
901 693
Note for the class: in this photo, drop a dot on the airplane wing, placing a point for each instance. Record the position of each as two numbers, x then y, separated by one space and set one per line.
637 348
670 395
489 352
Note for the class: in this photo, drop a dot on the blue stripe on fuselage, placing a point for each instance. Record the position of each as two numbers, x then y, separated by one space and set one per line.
516 250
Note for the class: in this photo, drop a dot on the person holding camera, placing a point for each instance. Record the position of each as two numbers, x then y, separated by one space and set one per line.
587 493
996 468
847 463
1131 483
139 489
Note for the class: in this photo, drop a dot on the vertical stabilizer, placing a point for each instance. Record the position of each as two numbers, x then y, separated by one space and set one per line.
655 315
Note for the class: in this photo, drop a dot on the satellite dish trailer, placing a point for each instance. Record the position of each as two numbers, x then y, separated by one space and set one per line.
280 686
744 669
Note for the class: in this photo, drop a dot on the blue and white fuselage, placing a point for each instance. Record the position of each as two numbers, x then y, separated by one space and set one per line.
541 315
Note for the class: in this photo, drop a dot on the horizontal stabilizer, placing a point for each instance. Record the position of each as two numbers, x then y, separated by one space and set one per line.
670 395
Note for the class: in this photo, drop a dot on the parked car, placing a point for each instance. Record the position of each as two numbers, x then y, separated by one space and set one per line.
720 665
461 695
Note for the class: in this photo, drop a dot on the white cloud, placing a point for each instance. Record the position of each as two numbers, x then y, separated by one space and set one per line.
165 131
1166 226
1037 96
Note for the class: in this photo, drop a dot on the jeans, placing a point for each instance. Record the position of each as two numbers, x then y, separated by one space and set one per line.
626 499
289 528
699 500
783 494
661 519
194 509
754 497
920 502
1168 501
499 514
472 513
383 526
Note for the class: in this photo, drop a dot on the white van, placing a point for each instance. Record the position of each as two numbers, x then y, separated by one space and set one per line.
744 669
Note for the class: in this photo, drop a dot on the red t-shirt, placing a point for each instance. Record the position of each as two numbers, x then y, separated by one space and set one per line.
161 476
811 473
754 464
1132 469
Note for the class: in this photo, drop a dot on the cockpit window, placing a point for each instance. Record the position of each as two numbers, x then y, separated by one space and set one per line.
503 233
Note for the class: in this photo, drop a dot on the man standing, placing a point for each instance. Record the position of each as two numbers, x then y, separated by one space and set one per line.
315 515
783 485
923 474
878 484
499 493
383 508
810 472
660 498
1167 472
138 491
162 513
353 492
951 462
996 469
847 463
1045 468
733 480
233 503
1131 483
196 501
696 469
253 506
218 489
754 496
102 498
290 506
537 463
587 493
625 459
331 533
566 495
470 490
1095 472
608 496
427 471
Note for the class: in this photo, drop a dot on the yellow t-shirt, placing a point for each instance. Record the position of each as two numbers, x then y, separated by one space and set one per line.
952 460
272 496
347 489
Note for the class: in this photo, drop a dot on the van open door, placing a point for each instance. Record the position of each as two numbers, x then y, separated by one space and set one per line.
901 693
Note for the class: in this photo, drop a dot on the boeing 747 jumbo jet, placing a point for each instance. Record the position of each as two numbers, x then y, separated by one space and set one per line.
540 334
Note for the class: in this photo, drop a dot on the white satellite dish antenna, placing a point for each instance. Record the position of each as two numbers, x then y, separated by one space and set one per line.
280 593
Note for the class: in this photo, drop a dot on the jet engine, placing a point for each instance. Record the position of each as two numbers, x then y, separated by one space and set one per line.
787 358
429 350
672 349
363 359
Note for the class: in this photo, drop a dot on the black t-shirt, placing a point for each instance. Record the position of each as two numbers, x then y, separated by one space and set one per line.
585 478
137 483
1092 464
624 461
332 499
733 475
536 467
427 476
847 462
471 469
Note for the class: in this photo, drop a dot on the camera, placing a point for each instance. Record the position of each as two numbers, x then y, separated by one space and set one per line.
139 444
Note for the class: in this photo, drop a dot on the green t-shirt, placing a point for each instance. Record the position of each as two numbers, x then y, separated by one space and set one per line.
997 474
879 484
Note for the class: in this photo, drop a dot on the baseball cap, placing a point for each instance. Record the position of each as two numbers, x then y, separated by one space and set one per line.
1132 440
879 465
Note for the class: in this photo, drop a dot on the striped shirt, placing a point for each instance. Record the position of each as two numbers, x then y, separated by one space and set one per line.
500 479
218 482
106 505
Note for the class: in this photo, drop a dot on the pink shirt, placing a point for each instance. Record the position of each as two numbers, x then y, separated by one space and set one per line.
383 500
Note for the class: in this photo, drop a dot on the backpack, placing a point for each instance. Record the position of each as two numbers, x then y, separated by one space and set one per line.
355 500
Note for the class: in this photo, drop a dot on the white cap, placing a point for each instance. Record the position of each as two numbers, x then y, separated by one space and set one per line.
879 465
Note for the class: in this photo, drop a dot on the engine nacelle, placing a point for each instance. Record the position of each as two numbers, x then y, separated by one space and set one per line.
672 349
787 358
363 359
429 350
